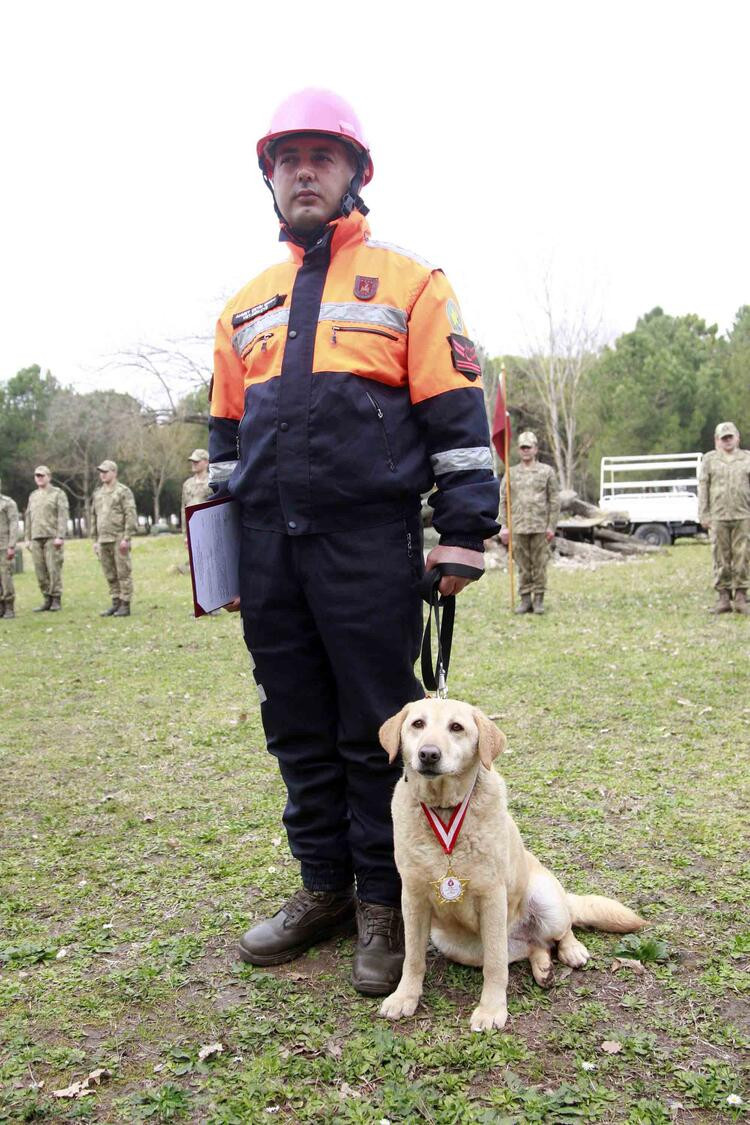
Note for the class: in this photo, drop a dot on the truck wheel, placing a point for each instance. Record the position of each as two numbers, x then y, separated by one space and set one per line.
657 534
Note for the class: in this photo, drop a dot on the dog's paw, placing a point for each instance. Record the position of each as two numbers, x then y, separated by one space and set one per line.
484 1019
398 1005
572 952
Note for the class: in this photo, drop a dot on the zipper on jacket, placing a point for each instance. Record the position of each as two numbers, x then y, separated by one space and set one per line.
381 420
349 328
262 340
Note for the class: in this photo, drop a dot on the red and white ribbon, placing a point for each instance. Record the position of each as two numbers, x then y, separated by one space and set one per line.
447 834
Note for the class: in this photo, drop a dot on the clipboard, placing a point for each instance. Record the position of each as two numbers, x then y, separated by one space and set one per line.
214 532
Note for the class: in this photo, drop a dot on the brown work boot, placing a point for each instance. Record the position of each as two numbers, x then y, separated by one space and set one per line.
9 610
740 602
123 610
46 604
538 603
379 956
112 609
724 604
55 604
525 606
306 919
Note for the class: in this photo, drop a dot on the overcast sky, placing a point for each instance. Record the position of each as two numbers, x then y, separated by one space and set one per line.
603 144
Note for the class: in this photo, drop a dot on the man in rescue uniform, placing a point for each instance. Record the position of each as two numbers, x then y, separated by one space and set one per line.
344 387
114 523
8 540
45 525
724 509
535 509
196 488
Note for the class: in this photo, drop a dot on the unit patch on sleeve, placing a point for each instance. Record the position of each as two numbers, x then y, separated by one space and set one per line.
241 318
464 356
365 288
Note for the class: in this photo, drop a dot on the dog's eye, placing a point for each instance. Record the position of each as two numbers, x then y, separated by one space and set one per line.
456 728
418 723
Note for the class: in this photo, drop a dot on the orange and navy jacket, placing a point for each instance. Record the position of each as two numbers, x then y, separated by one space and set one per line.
344 386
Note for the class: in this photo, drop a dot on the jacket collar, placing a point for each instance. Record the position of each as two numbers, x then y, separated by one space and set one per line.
338 233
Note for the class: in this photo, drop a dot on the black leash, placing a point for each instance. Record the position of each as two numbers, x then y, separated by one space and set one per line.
434 677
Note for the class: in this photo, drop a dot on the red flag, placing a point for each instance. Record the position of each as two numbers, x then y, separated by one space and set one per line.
500 421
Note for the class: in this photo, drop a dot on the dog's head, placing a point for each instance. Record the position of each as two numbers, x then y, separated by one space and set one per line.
441 737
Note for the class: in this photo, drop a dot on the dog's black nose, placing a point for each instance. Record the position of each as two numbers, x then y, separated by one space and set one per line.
429 756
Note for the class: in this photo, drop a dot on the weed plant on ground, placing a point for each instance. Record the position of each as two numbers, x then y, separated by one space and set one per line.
141 833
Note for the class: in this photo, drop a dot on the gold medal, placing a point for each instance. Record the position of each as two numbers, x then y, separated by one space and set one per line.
450 889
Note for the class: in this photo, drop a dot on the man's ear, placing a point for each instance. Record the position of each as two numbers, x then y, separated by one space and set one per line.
492 741
390 733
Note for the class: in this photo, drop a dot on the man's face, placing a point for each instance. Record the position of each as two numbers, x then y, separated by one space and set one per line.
310 175
41 479
527 453
106 476
728 443
198 466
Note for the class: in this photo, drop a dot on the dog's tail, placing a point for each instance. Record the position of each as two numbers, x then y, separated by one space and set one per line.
601 913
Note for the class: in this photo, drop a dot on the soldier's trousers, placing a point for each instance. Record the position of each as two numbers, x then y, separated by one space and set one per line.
118 570
7 566
731 554
48 564
531 553
333 623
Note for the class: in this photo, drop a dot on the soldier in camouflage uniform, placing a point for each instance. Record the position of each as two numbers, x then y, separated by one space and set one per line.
535 507
46 525
8 540
113 524
724 509
195 489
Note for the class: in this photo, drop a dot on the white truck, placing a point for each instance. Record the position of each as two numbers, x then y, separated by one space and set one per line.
654 497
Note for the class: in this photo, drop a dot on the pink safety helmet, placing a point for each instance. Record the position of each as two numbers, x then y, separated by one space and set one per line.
315 111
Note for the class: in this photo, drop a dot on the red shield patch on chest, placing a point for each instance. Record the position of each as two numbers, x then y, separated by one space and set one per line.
365 288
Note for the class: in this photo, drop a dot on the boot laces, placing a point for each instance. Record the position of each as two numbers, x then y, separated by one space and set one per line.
375 919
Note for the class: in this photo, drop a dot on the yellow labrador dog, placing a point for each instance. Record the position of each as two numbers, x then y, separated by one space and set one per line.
489 901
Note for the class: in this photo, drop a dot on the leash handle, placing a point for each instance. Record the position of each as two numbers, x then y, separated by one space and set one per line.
434 678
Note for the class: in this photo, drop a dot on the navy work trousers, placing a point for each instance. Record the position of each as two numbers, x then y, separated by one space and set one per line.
333 623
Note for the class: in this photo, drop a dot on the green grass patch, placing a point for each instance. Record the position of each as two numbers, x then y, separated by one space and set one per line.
140 834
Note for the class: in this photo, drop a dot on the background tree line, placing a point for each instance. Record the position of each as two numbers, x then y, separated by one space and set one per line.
43 422
658 389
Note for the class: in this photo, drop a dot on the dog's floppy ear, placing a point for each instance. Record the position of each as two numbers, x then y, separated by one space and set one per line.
390 733
491 739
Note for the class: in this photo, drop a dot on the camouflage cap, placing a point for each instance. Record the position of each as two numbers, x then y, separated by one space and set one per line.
198 455
528 437
725 429
107 467
42 469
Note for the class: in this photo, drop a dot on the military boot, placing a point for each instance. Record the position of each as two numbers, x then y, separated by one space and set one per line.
46 604
123 610
306 919
111 610
379 955
9 610
538 603
724 604
55 604
740 602
525 606
2 608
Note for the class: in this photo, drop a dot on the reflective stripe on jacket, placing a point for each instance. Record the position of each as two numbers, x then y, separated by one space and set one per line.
344 386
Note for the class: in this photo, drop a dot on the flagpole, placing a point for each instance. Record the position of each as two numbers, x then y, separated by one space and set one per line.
506 442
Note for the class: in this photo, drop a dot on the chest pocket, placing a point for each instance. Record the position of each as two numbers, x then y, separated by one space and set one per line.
260 353
372 351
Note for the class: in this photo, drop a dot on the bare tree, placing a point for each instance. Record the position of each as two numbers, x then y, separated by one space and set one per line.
558 367
176 369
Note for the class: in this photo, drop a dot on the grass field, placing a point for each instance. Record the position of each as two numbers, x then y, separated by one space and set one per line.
141 834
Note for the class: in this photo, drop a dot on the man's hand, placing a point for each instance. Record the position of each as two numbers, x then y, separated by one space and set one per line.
706 525
550 534
504 536
10 554
124 546
97 551
58 542
233 606
449 584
